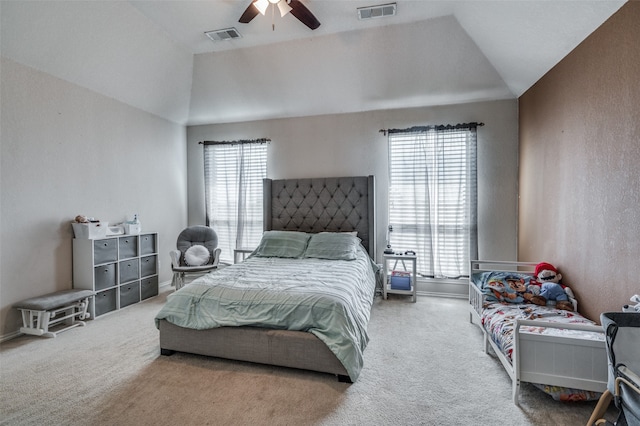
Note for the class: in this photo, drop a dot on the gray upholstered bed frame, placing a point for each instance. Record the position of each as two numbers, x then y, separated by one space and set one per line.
309 205
322 204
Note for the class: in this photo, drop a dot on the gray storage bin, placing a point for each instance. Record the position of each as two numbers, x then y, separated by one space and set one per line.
129 293
105 251
105 301
148 266
149 287
147 244
129 270
105 276
128 246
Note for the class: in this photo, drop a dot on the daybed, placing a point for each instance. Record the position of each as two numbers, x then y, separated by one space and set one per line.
321 208
560 352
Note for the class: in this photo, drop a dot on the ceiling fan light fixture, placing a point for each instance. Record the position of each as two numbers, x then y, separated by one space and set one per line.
284 7
262 5
293 7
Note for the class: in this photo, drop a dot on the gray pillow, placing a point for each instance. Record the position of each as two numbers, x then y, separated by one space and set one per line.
282 244
333 245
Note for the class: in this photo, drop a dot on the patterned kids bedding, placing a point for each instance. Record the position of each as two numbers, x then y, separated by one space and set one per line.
331 299
499 315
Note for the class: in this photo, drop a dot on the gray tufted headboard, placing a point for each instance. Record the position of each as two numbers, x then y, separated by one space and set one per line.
322 204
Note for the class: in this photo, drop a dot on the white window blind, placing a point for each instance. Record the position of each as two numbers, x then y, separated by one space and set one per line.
233 175
432 197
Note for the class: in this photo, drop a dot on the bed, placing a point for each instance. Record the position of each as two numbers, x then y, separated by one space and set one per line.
322 208
560 352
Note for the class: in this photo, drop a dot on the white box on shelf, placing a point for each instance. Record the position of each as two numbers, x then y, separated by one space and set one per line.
90 231
132 228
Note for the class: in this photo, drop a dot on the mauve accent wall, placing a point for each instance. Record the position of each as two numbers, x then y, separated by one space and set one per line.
579 178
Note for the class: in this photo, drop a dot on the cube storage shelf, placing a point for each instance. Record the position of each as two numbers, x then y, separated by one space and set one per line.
121 270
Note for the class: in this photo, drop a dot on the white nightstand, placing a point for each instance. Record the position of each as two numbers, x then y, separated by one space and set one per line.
241 253
405 263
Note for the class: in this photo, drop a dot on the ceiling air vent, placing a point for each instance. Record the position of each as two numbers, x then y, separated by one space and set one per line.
226 34
381 11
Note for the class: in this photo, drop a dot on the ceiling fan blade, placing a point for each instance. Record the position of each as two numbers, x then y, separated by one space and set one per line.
250 12
303 14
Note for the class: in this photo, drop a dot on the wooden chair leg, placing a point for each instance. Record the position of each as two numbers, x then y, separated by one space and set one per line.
601 407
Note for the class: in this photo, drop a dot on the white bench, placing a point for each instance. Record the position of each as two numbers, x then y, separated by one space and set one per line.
40 313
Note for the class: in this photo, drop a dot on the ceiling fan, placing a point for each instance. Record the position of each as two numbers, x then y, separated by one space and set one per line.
296 8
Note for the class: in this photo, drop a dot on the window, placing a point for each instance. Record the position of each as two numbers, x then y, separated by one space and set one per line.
432 197
233 173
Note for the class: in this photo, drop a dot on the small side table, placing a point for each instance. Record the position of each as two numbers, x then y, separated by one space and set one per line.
391 263
241 252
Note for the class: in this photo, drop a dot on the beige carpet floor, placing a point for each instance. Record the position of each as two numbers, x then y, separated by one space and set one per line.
423 366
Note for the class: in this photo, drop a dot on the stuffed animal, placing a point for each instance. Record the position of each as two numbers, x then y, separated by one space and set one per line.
549 279
81 219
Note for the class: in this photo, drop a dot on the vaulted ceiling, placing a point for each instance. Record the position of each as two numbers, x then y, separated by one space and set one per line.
154 55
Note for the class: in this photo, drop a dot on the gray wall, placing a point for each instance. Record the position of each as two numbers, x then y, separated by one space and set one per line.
68 151
350 144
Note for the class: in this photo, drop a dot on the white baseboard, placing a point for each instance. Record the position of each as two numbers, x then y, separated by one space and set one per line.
10 336
444 287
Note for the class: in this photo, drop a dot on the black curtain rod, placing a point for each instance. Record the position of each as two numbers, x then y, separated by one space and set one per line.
261 140
416 129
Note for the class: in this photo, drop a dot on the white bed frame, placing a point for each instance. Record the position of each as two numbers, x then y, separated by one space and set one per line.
550 360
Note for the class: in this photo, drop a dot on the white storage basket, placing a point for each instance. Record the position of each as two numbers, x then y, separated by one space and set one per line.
91 231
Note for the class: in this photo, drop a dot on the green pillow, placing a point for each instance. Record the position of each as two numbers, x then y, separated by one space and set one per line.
282 244
333 245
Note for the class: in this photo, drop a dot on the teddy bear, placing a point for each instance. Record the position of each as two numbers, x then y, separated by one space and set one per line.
81 219
551 288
